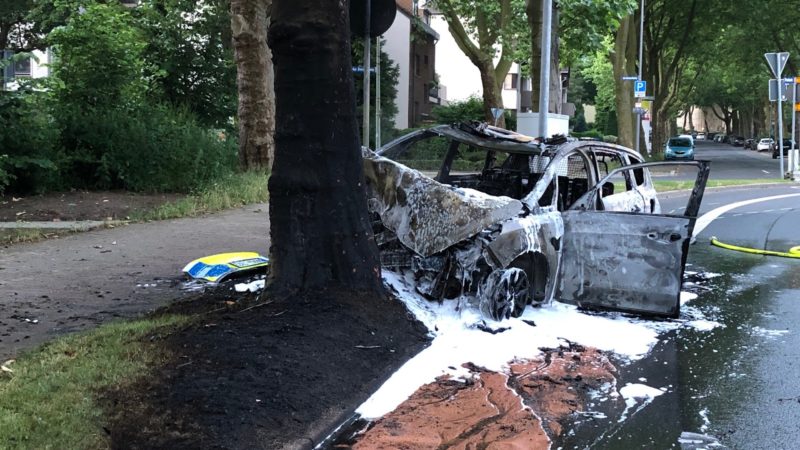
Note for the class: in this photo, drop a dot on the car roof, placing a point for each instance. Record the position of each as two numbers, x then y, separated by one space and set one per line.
480 135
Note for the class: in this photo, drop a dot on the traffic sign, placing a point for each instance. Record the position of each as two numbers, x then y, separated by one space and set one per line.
777 61
639 88
797 107
773 90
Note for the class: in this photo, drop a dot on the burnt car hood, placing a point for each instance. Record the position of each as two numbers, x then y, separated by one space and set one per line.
428 216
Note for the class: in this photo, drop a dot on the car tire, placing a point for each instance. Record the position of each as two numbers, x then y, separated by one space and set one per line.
504 293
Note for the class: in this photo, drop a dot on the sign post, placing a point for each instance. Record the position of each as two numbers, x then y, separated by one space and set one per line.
777 61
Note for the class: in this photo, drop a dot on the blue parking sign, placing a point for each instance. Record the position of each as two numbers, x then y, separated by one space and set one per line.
639 88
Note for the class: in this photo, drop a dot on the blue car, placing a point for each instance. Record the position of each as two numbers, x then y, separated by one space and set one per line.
679 148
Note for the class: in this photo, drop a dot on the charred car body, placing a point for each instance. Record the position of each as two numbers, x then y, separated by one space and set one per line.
576 221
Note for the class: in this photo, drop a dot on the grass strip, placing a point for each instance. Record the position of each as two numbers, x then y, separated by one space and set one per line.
229 192
49 398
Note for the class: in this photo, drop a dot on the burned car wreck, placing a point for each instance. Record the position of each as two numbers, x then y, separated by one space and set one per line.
521 223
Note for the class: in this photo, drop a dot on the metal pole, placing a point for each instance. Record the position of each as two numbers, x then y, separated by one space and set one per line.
780 123
793 160
544 74
641 57
377 93
367 64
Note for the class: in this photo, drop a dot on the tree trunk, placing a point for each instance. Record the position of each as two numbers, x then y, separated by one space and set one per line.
623 61
320 228
255 78
492 94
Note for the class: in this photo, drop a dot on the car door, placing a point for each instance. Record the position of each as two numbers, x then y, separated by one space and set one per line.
623 260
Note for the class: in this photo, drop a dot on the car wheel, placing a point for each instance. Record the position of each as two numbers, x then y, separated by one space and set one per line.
774 156
504 294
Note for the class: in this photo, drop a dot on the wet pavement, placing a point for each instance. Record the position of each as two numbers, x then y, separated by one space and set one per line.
733 386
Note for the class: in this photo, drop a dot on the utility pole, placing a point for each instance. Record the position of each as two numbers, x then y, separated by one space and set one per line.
544 74
641 58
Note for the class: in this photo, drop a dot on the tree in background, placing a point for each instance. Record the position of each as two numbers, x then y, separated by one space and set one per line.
99 59
249 21
485 30
321 232
189 56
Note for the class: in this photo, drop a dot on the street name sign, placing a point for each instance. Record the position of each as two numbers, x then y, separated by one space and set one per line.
640 88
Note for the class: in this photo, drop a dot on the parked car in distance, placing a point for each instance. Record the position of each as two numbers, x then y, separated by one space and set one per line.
701 136
787 145
764 145
679 147
749 144
738 141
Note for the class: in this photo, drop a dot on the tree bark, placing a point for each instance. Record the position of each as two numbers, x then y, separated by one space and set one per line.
623 61
320 228
492 94
255 78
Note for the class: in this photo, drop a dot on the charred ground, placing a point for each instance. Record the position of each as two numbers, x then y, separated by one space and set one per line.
253 373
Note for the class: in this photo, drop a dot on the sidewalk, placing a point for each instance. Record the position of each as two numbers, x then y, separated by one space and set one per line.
77 281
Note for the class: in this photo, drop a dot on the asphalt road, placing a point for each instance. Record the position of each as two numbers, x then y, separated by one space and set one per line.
734 385
729 162
62 285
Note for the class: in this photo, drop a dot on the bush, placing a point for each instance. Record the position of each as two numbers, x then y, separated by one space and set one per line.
468 110
155 149
589 133
610 139
28 138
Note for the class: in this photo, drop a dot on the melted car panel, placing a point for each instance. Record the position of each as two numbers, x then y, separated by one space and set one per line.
531 224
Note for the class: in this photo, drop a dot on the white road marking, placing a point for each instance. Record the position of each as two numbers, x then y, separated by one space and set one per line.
706 219
764 171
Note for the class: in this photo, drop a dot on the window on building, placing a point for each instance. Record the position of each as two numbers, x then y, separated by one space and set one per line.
510 82
22 67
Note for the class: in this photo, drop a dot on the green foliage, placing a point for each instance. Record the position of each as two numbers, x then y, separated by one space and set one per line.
585 24
150 148
467 110
227 192
99 58
459 111
189 60
589 133
27 141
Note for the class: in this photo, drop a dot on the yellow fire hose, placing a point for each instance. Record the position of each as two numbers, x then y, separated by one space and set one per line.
793 252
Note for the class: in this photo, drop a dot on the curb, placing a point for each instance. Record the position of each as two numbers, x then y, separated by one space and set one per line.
80 225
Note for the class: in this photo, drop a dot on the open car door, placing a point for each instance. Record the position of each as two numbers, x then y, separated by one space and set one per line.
627 261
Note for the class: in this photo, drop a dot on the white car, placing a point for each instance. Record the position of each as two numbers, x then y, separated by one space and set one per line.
765 144
701 136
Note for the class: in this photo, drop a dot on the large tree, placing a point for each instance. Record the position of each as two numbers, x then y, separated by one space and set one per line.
490 34
249 23
320 229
